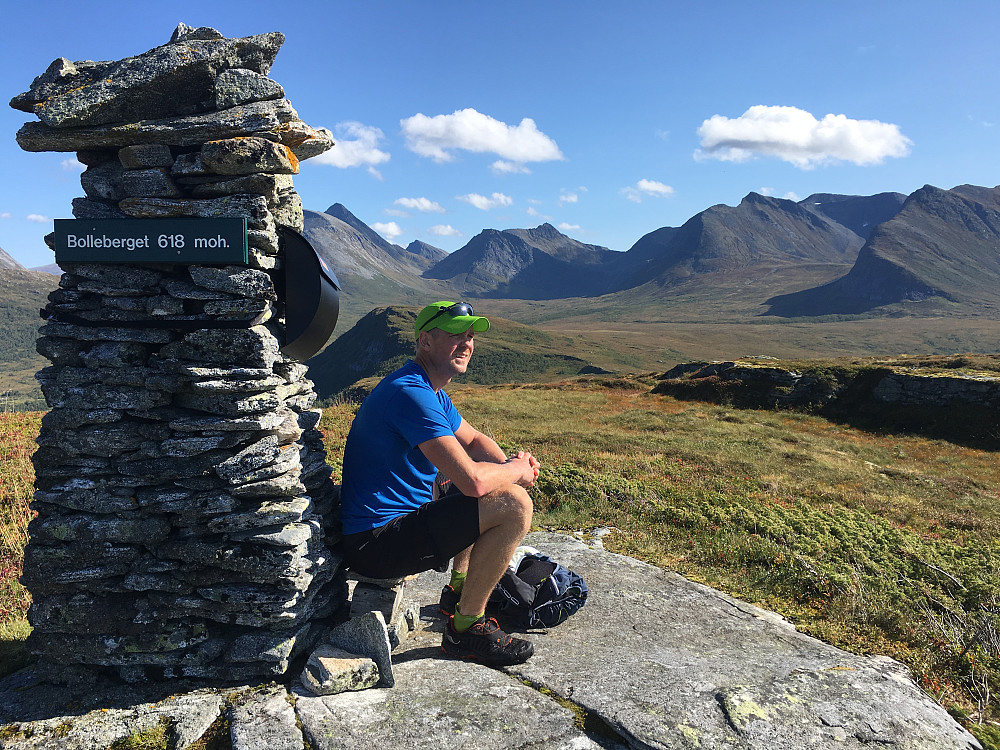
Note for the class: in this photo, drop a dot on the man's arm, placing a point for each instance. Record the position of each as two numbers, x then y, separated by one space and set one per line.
480 447
476 464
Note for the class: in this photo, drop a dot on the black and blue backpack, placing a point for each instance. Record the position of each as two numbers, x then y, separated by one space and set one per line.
537 592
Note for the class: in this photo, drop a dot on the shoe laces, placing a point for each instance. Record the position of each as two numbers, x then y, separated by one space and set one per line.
490 627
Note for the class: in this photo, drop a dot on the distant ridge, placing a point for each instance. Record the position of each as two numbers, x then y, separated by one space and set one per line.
384 339
943 244
52 268
422 249
859 213
760 231
539 263
8 263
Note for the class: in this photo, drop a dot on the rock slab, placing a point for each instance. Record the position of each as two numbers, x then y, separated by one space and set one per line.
652 661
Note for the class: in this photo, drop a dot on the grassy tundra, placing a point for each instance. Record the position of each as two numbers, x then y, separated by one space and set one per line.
877 543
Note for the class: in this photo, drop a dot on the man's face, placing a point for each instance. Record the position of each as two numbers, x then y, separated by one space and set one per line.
451 351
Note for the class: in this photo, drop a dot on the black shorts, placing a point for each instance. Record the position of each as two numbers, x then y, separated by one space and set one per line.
425 539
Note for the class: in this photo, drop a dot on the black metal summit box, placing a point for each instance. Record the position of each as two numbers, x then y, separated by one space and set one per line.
311 297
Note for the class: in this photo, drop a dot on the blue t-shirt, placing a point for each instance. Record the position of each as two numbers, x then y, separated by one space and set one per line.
385 474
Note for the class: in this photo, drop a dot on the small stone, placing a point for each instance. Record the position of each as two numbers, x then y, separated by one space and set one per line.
370 598
145 156
251 207
366 635
307 142
290 535
331 670
242 347
267 185
235 280
123 528
238 86
189 165
104 182
154 183
253 311
268 513
84 208
237 156
185 33
264 241
288 211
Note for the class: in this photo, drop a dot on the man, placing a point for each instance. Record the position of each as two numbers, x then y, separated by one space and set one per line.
407 431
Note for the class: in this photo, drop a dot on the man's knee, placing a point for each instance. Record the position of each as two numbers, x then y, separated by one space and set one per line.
508 506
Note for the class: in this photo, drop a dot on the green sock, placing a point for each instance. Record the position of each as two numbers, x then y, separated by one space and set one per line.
461 622
457 581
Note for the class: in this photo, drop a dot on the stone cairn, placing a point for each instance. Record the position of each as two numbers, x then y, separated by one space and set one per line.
185 508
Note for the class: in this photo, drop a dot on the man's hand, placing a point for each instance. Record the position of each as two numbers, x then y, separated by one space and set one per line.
531 468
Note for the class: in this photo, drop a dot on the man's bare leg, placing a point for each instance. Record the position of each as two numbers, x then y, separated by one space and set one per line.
460 562
504 519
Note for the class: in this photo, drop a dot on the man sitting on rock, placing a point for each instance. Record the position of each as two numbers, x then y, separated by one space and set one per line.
395 524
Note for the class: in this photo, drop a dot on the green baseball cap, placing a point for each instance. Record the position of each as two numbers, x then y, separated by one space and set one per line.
453 317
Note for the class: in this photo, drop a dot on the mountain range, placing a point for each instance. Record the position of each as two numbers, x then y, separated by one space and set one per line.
762 274
824 255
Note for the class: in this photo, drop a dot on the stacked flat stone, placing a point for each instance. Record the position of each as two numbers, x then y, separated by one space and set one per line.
182 486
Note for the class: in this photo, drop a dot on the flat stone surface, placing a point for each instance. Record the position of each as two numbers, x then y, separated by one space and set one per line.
264 719
94 714
440 703
654 659
670 663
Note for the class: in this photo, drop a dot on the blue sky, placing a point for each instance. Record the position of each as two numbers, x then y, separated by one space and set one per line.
608 120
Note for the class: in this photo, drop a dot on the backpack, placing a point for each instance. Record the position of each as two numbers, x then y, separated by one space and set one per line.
536 591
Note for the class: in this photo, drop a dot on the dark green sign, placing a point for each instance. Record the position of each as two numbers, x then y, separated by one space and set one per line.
151 240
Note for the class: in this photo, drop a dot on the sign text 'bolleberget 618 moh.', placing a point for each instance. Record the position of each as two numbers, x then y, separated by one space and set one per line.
151 240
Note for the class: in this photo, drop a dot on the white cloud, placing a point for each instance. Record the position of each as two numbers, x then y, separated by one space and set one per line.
356 146
508 167
568 198
485 204
390 231
532 211
396 212
445 230
468 130
795 136
38 218
647 188
5 215
566 227
424 205
73 165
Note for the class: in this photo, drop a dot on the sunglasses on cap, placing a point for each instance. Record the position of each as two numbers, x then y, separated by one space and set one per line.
457 310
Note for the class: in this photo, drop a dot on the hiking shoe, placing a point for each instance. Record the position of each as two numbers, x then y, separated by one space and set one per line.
486 643
449 600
